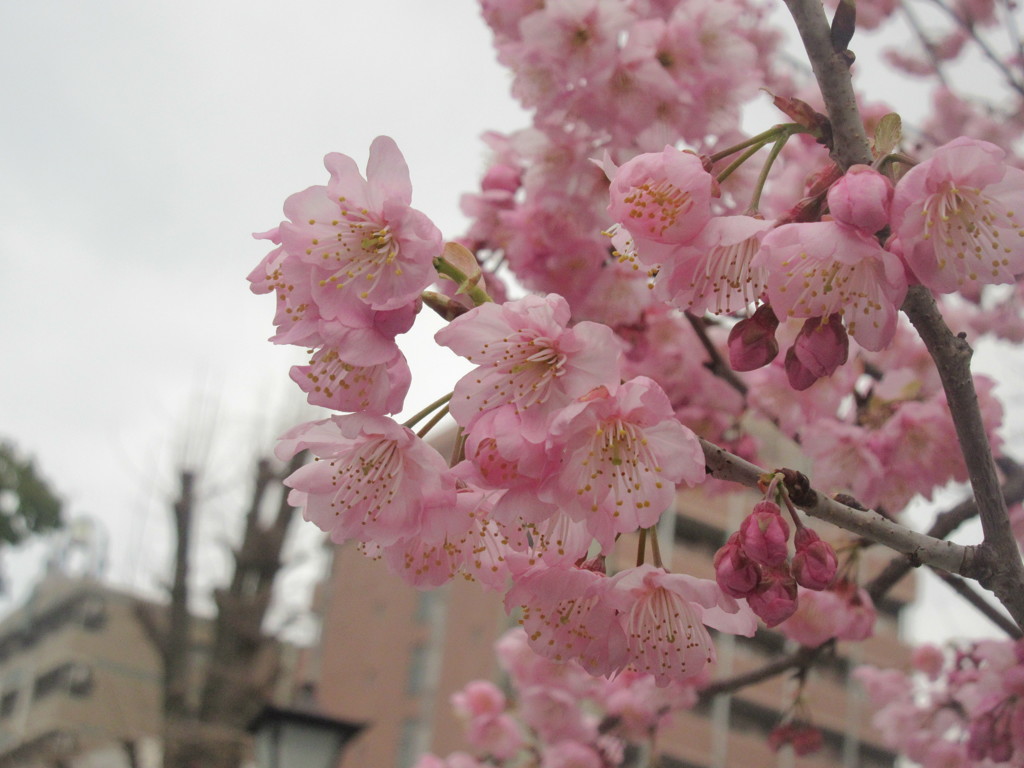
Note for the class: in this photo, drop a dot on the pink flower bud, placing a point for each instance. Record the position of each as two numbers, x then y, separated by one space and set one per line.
775 599
814 564
764 535
736 573
821 346
752 343
861 199
804 738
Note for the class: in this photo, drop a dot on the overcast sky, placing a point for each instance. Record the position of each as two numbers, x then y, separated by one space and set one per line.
140 145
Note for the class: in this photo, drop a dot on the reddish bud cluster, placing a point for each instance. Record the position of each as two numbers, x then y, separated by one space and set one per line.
803 737
755 564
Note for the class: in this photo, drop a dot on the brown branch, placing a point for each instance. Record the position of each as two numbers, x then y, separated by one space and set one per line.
989 611
997 566
996 562
867 523
944 524
832 71
717 365
804 656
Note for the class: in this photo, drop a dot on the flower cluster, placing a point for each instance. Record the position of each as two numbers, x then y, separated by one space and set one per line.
965 706
350 264
755 563
558 716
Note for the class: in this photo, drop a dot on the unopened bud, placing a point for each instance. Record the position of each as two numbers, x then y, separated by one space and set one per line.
815 563
764 535
775 599
736 574
752 343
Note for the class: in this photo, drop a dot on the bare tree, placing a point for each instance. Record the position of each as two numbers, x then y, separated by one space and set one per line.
208 704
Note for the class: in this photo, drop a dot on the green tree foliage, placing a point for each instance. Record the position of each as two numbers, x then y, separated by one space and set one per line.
27 502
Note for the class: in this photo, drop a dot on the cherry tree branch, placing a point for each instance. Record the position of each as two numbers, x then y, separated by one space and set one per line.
968 594
921 548
996 563
998 566
804 656
944 524
832 71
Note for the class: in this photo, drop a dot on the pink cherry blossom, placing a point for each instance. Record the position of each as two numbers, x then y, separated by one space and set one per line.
663 616
824 268
662 197
567 615
819 349
752 341
361 234
621 457
736 573
814 564
957 217
764 535
714 273
775 598
528 357
372 479
291 281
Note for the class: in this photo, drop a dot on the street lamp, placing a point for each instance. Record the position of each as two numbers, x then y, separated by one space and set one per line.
298 738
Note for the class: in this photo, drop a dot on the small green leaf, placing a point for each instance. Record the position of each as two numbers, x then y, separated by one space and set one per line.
888 134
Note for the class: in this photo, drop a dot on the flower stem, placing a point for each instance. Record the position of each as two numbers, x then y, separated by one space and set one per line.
756 142
655 548
433 422
410 423
762 179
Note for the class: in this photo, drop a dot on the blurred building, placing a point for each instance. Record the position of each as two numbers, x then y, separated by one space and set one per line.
391 656
81 678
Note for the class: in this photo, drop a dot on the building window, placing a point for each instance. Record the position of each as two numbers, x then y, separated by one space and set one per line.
51 682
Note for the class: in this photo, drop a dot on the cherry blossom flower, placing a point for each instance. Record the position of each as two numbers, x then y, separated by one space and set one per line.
528 357
361 234
622 455
566 615
661 198
957 217
291 281
373 480
764 535
714 272
663 616
861 199
823 268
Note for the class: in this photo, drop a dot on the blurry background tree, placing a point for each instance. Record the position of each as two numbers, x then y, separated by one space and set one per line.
208 702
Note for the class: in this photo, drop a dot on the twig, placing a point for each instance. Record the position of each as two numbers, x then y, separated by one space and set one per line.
867 523
802 657
998 565
968 593
944 524
832 71
926 44
995 563
717 365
